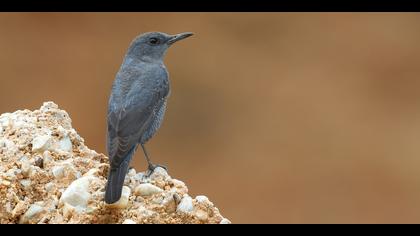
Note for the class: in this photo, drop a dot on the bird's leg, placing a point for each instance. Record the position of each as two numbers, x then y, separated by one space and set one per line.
151 167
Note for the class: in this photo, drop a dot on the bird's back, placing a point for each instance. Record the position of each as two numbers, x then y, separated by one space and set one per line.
136 105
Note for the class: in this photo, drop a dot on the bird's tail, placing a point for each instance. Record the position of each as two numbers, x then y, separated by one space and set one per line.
116 178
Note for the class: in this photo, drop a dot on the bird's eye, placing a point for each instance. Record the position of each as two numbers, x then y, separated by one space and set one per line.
154 41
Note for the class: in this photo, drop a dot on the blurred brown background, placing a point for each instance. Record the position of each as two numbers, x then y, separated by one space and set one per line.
276 117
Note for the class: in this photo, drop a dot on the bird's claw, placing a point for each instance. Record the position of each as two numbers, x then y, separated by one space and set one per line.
151 168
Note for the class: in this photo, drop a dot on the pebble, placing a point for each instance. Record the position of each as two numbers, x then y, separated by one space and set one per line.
65 170
225 221
129 221
10 174
178 183
58 171
46 156
201 199
61 131
131 172
4 119
39 162
186 205
65 144
201 215
92 172
31 214
41 143
146 190
169 202
26 183
77 194
46 106
123 202
159 172
49 187
7 144
25 167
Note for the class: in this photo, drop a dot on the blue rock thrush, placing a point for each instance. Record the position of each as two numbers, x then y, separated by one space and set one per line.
137 105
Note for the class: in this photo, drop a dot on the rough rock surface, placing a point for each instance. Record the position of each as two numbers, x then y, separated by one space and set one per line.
48 175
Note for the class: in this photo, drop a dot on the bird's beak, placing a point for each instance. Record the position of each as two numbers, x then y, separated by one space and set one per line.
178 37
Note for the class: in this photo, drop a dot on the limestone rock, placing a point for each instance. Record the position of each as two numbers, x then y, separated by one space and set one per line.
41 143
128 221
147 189
225 221
78 194
32 214
65 144
123 202
186 205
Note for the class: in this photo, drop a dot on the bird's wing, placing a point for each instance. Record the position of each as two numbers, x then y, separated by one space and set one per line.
127 123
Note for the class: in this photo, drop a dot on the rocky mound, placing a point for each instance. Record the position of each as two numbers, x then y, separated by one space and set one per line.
48 175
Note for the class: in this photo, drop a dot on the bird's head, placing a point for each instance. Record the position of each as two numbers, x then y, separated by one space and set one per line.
152 46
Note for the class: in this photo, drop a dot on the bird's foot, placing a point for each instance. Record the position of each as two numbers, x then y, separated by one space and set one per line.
151 168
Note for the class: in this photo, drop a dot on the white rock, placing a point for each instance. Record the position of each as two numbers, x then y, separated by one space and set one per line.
225 221
47 158
62 131
58 171
4 120
26 183
65 144
25 167
10 174
129 221
41 143
34 171
147 189
23 158
77 194
201 215
18 124
65 169
33 212
138 177
49 187
186 205
123 202
131 172
48 105
92 172
201 199
178 183
7 144
159 171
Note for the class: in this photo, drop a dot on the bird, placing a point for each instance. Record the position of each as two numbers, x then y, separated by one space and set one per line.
137 105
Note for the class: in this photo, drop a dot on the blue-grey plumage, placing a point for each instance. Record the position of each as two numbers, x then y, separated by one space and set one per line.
137 104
